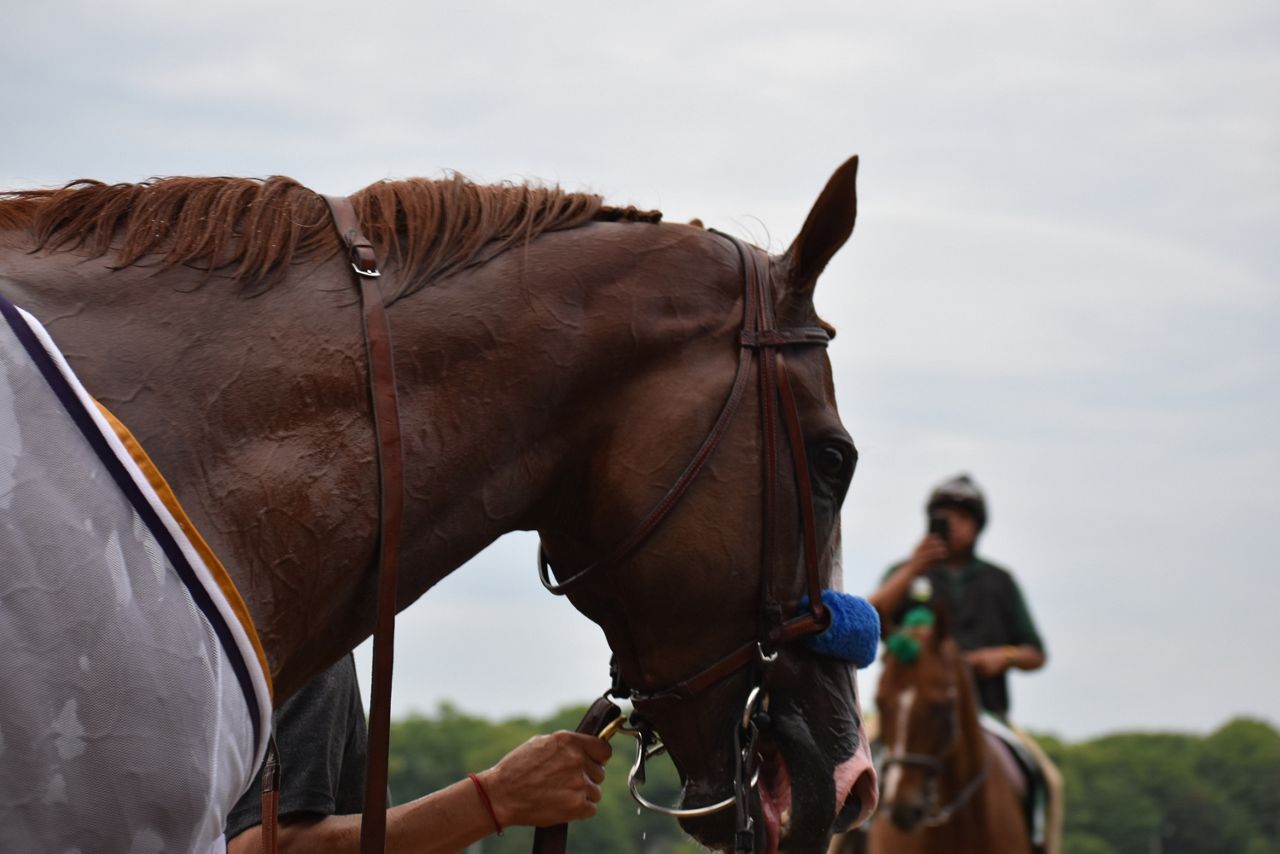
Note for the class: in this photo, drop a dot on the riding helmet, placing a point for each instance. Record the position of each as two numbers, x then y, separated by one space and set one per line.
961 493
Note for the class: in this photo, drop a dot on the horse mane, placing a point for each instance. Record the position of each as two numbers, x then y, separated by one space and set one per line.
254 229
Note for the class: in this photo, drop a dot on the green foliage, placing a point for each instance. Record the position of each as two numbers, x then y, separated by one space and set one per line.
430 753
1179 794
1086 843
1126 794
1242 761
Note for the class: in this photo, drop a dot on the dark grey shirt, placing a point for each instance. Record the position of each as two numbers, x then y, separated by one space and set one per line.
321 735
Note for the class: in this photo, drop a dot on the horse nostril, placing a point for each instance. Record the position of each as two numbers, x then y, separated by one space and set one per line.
907 816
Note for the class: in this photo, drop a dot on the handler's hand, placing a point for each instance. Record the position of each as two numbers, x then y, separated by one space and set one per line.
932 549
548 780
989 661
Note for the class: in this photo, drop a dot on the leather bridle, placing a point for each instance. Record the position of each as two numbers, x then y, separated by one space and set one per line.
933 765
760 340
760 344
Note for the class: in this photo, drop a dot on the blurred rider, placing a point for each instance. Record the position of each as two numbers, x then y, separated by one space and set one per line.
989 618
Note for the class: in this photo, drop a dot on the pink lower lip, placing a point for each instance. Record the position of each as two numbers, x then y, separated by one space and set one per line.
854 776
775 799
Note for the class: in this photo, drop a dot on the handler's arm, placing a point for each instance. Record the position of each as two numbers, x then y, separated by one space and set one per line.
894 588
1025 650
994 660
548 780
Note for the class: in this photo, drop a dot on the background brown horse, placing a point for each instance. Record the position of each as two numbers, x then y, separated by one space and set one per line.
558 361
944 788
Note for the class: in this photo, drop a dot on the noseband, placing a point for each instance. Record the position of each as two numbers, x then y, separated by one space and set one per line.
760 342
933 766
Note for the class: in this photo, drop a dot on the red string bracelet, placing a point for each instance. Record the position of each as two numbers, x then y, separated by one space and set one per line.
488 804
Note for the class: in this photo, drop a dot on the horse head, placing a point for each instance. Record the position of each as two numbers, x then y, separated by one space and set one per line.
699 575
921 688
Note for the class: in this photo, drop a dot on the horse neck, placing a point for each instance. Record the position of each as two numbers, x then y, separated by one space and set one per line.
257 410
272 461
506 373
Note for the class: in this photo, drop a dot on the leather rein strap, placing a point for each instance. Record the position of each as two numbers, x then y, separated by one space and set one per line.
554 839
386 417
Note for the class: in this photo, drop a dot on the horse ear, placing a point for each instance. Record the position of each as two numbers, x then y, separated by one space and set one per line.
827 227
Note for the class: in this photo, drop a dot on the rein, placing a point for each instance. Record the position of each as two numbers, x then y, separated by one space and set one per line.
386 418
760 343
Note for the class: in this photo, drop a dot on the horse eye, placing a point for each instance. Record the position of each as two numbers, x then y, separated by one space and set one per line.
831 461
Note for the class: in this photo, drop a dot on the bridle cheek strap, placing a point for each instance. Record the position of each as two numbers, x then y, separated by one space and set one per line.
761 338
804 490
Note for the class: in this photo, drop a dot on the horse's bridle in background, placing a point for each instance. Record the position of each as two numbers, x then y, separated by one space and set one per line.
760 340
933 763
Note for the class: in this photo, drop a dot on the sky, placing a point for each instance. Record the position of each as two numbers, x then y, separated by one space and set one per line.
1065 277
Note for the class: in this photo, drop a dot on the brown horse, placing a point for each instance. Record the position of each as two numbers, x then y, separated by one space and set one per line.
558 362
945 789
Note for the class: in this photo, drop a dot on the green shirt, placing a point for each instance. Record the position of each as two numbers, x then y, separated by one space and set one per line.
985 608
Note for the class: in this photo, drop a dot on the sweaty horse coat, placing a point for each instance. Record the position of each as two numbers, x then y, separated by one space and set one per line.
128 657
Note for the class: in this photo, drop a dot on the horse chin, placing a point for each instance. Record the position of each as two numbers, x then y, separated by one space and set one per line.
823 799
782 823
770 805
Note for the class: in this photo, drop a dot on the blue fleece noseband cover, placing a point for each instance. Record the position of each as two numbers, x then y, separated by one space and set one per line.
854 633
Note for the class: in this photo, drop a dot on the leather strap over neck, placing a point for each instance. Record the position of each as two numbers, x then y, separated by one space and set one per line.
386 416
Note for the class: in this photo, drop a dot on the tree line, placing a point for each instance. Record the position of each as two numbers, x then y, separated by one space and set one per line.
1161 793
1133 793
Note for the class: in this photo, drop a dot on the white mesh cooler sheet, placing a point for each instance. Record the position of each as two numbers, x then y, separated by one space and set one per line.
133 702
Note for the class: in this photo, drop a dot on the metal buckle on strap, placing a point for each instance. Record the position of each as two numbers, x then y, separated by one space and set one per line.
366 268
